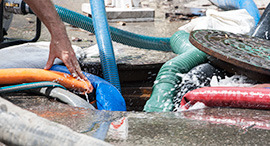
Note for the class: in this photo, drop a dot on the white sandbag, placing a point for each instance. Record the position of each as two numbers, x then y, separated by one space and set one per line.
21 127
235 21
30 55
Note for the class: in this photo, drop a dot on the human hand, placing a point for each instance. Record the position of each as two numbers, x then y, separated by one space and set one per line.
61 48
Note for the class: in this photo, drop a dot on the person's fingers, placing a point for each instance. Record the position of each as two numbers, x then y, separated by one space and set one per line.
70 67
50 61
74 66
64 52
78 70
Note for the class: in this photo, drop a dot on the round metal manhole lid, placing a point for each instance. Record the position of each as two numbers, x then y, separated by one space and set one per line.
250 53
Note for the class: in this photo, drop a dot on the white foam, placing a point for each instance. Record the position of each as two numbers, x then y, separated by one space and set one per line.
235 80
196 106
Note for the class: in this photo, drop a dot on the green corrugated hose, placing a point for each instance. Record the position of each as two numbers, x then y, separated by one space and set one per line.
118 35
167 78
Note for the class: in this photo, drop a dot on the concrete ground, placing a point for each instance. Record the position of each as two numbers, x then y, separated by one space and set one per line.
205 126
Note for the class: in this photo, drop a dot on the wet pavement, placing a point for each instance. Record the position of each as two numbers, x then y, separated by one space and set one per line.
207 126
181 128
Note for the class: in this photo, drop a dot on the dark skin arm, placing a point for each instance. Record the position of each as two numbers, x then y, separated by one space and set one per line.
60 46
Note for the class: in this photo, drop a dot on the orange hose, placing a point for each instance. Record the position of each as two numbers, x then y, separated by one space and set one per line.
27 75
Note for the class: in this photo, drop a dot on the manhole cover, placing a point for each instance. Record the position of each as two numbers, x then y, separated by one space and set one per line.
236 53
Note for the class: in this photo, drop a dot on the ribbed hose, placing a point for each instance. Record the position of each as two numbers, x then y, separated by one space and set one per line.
50 89
249 5
118 35
64 96
27 86
108 63
161 99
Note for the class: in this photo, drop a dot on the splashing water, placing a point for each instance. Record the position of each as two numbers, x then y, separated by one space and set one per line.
197 79
235 80
196 106
86 96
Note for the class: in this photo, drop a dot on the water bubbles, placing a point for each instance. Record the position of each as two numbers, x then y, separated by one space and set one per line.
214 81
74 75
66 75
196 106
156 81
163 77
166 104
86 96
235 80
180 75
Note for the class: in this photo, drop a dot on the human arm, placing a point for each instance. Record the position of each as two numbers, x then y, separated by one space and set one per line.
60 46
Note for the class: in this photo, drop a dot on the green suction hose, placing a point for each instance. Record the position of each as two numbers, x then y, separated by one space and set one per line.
118 35
161 99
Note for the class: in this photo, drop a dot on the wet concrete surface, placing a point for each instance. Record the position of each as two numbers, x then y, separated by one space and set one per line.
208 126
179 129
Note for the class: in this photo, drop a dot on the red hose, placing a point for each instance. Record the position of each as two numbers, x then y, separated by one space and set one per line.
238 97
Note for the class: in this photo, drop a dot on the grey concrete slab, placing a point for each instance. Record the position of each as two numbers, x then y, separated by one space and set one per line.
201 127
124 15
208 126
